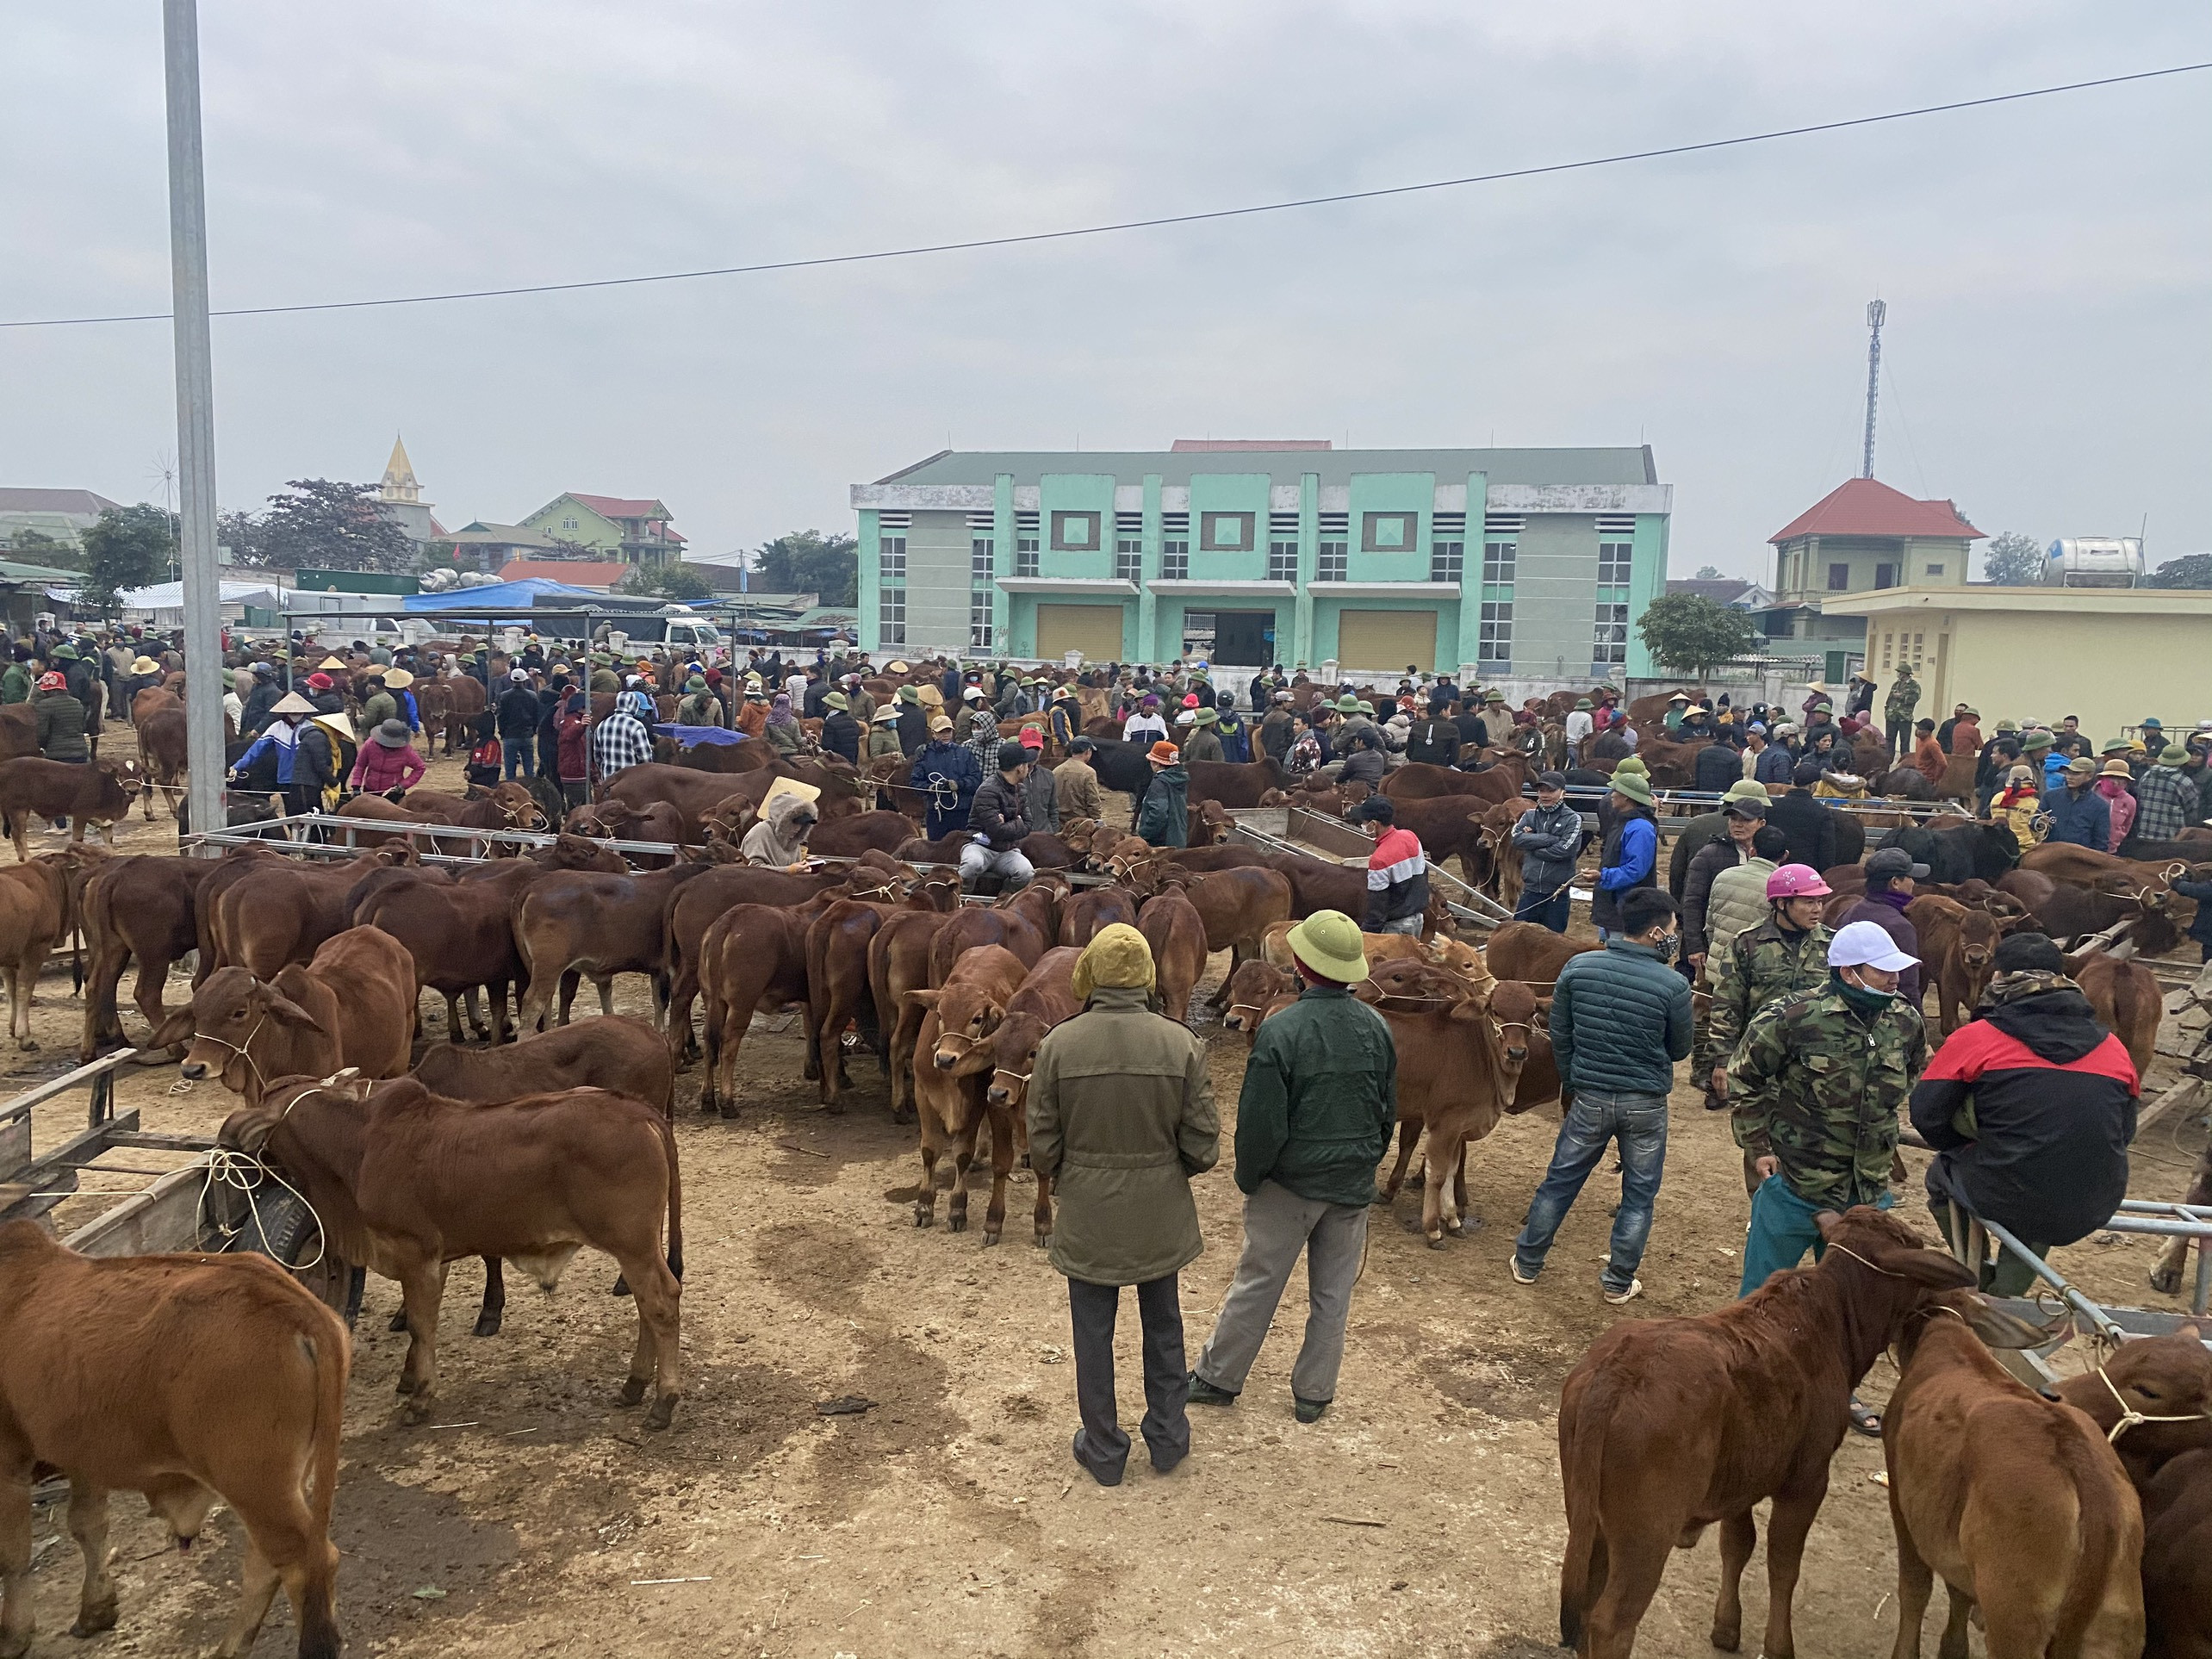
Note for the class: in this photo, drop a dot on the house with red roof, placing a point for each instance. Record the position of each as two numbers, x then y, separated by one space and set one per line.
1860 538
636 530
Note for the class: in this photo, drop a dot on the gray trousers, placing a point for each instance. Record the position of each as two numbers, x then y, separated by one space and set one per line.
1167 1386
1278 1225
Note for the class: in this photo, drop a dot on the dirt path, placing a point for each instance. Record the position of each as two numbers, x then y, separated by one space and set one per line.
950 1519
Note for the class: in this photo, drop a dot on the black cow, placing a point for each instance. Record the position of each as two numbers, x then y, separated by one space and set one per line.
1122 765
1960 852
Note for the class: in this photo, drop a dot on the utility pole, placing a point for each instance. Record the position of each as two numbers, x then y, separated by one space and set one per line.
195 415
1877 314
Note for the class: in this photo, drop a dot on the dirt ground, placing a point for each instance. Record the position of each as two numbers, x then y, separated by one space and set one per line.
533 1516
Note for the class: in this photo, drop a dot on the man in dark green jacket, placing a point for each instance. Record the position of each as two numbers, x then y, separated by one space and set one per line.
1163 814
1120 1112
1621 1018
1320 1099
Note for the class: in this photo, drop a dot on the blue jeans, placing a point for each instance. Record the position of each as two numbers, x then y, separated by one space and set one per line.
1551 910
1782 1230
1639 1123
520 760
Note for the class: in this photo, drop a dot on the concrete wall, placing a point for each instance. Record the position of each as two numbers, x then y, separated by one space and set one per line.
2016 665
1554 597
937 582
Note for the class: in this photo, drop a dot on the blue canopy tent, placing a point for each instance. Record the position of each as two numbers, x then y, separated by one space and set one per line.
520 594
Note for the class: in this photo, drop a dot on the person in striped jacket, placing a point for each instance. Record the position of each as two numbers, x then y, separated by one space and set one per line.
1397 873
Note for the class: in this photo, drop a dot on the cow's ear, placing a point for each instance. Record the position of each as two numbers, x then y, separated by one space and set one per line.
173 1030
282 1009
923 998
1999 1329
1467 1012
1937 1268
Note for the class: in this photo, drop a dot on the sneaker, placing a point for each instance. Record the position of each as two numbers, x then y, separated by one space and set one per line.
1309 1411
1101 1476
1617 1297
1204 1393
1521 1275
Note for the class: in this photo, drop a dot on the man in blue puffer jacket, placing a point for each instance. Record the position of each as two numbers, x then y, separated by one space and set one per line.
1621 1018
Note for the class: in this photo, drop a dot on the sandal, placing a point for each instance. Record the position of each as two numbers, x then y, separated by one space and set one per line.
1865 1419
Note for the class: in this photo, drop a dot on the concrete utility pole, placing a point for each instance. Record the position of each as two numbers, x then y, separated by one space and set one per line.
195 416
1877 313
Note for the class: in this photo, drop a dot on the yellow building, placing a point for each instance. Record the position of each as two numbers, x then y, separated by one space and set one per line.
2110 655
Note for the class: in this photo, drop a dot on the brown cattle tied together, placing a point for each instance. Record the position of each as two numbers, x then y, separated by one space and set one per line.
189 1379
951 1091
1959 947
1177 933
405 1181
142 909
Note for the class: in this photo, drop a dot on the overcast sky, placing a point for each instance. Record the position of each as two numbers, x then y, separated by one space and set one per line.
2046 264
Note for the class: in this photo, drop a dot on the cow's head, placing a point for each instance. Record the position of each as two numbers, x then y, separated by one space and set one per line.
517 806
1013 1052
967 1015
247 1130
1252 987
228 1024
1512 1020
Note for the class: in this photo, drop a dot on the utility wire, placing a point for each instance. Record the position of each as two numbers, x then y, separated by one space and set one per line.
1156 223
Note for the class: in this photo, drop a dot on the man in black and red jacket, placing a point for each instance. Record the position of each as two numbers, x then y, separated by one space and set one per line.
2030 1107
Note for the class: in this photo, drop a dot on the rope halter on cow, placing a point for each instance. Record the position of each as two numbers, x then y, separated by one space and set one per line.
2129 1416
260 1083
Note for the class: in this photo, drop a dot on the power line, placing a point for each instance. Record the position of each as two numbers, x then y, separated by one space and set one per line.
1159 222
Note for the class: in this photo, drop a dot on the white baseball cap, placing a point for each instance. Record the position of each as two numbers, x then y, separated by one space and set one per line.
1866 944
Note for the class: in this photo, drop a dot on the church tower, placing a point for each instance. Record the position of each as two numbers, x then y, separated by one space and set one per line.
400 483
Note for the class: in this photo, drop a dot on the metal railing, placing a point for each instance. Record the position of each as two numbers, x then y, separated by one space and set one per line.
162 1215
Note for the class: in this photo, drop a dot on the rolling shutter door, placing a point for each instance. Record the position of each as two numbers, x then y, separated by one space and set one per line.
1386 639
1094 629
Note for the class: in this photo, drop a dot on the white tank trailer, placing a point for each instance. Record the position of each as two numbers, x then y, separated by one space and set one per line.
2094 561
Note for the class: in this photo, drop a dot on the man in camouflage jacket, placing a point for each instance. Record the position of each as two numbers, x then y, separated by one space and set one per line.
1818 1079
1786 953
1897 711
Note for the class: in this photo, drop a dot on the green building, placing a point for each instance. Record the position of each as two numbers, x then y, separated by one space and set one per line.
1508 564
635 531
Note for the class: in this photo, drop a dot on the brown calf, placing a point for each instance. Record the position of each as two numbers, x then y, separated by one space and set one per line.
93 792
2152 1398
1237 907
898 962
35 913
1177 933
1530 952
1669 1425
162 754
1958 947
1025 922
1253 987
2177 1559
583 922
2015 1501
950 1091
1046 998
615 1053
1459 1064
459 936
753 960
693 908
260 910
405 1181
2127 998
1419 781
189 1379
1087 912
136 909
353 1005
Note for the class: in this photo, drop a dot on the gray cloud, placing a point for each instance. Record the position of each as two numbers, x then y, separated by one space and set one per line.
2046 264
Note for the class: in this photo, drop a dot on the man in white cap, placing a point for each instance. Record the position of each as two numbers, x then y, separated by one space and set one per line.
1319 1100
1817 1083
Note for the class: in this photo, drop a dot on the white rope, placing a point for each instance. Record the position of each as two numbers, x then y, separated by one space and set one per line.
261 1084
2129 1416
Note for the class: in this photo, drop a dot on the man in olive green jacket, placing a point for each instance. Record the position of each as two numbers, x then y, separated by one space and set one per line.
1319 1100
1120 1117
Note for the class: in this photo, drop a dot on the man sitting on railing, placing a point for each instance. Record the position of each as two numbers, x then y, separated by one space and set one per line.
2030 1106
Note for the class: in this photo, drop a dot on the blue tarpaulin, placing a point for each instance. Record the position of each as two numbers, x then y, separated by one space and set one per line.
507 596
687 736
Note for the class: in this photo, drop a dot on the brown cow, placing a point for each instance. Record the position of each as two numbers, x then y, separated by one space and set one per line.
837 990
1094 908
2015 1501
261 911
1669 1425
692 792
2167 1275
950 1092
1420 780
2080 866
93 792
1236 783
459 935
1046 998
583 922
2177 1559
353 1005
465 702
1530 952
1459 1064
620 821
2152 1398
1238 906
1379 948
1253 987
843 837
141 909
189 1379
1447 826
37 912
898 962
752 959
2127 999
405 1181
1025 922
162 755
1177 933
693 909
1957 948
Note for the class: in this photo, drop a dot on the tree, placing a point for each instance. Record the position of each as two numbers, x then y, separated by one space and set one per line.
2193 571
327 524
238 535
807 562
126 547
1706 573
35 547
1693 633
2012 559
669 581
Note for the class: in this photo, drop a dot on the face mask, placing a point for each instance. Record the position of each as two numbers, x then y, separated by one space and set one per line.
1665 943
1864 998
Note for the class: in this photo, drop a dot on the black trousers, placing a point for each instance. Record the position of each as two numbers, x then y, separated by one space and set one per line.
1104 1448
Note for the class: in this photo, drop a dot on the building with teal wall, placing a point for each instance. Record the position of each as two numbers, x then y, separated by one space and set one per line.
1508 564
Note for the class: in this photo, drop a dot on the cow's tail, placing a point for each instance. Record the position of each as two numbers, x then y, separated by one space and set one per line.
675 1197
327 1352
1584 1424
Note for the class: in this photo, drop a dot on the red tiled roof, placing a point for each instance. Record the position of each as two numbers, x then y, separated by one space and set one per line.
1865 506
618 506
577 573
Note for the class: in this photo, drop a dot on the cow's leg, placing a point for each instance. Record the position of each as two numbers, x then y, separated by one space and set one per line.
1738 1534
925 1197
422 1287
1439 1216
606 983
1002 1166
1788 1522
22 852
1914 1582
490 1316
659 1331
1962 1607
284 1546
1634 1566
88 1525
1459 1187
1409 1134
570 978
22 977
956 1211
1239 952
18 1619
2167 1275
1043 1214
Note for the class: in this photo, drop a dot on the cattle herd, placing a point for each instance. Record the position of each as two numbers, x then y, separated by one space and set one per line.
548 1135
